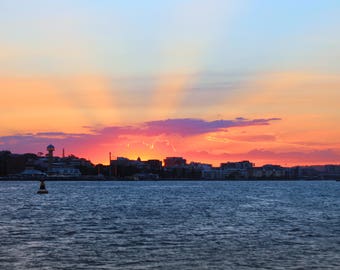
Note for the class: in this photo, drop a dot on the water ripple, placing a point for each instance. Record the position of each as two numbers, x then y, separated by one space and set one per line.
169 225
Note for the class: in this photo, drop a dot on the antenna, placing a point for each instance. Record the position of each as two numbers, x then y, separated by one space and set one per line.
110 164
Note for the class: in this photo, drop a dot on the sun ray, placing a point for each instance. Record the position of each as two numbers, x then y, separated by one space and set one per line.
184 59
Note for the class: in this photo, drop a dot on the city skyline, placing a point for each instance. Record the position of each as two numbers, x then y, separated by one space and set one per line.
211 81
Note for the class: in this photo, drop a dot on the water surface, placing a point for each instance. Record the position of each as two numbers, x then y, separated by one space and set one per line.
170 225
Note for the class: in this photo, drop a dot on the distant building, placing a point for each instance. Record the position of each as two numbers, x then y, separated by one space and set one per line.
212 174
241 165
174 162
124 167
153 165
236 170
65 172
270 172
11 163
145 176
30 172
199 165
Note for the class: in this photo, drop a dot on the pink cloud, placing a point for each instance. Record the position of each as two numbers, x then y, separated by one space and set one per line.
253 138
166 137
185 126
261 157
181 126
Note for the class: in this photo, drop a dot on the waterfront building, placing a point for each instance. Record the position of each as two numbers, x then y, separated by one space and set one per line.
236 170
11 163
270 172
32 173
212 174
154 165
65 172
241 165
174 162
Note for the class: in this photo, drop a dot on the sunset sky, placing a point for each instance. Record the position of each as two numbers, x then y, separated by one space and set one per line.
208 80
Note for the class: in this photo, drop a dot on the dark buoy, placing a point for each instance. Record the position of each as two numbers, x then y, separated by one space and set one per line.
42 189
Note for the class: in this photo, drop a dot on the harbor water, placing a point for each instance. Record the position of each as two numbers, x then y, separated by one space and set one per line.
170 225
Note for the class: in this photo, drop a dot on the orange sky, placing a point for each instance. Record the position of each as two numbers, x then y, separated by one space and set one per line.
83 106
154 80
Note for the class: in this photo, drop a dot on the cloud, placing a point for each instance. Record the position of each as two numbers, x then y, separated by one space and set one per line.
182 126
262 156
253 138
313 156
114 137
191 126
157 139
57 135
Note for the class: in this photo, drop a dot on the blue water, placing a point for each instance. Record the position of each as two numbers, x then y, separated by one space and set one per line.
170 225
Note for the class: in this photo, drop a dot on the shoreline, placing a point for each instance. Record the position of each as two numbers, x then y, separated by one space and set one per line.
85 179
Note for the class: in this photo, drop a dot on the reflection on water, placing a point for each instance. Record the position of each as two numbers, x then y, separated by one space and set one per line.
170 225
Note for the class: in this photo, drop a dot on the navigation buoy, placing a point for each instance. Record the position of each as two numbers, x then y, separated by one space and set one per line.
42 189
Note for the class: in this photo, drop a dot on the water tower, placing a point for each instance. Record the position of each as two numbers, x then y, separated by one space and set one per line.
50 148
